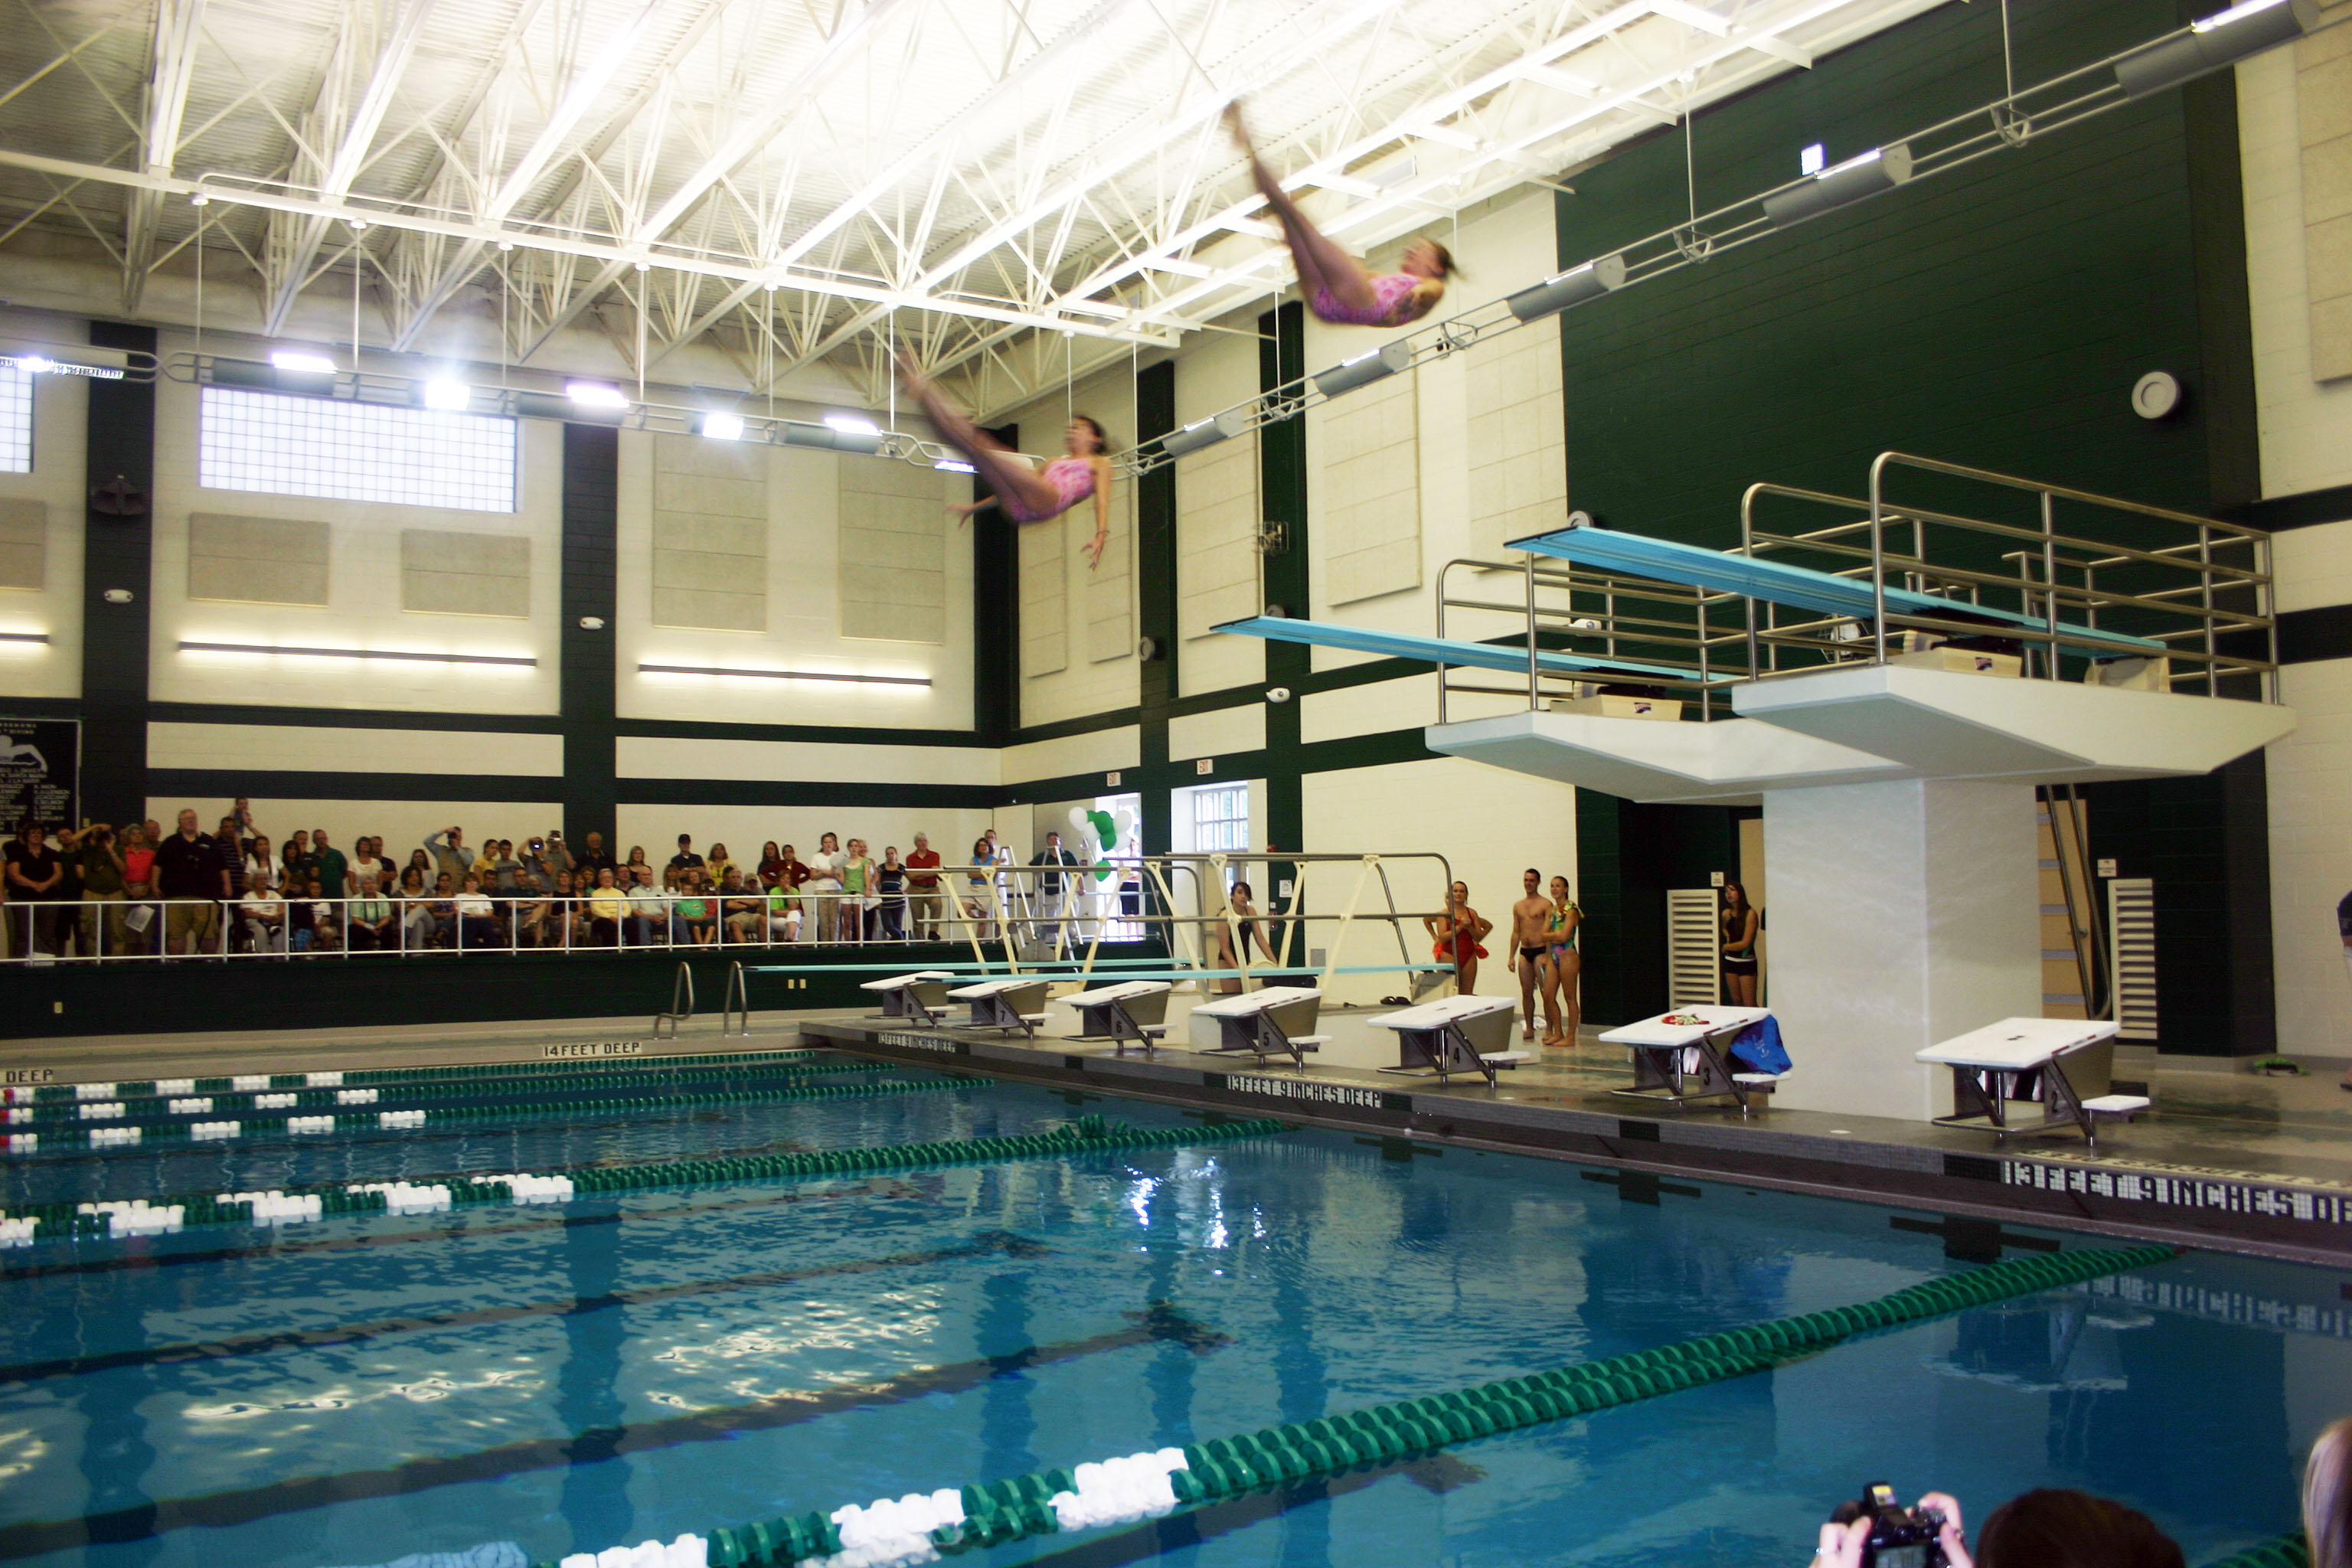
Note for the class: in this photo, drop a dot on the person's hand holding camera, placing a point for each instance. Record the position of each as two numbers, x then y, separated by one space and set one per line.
1845 1542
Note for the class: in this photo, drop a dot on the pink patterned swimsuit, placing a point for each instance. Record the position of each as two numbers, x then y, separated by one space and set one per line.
1073 477
1389 290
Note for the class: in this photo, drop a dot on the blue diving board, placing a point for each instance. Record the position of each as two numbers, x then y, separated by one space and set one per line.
1446 651
1779 582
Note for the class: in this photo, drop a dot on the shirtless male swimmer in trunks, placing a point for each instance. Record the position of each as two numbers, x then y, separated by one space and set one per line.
1531 946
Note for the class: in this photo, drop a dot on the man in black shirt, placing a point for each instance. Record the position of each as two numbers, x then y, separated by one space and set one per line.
1049 885
685 856
596 857
188 868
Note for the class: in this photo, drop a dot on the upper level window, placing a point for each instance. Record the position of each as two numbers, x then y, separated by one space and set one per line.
1220 819
354 451
16 421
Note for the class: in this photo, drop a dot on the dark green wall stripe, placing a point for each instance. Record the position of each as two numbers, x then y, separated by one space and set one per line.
116 553
799 791
996 613
352 718
2225 330
1156 566
2306 636
1085 724
592 502
2282 513
228 783
833 734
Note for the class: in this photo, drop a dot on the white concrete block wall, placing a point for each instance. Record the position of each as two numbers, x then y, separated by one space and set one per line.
60 415
1218 507
363 606
2310 774
803 614
1077 642
1507 243
1489 823
2306 424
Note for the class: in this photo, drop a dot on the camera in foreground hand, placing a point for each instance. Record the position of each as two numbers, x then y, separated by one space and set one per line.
1899 1537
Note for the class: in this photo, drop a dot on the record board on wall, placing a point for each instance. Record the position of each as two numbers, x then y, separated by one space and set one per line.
40 772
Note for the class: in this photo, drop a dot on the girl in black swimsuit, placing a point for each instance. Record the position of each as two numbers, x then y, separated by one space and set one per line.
1740 967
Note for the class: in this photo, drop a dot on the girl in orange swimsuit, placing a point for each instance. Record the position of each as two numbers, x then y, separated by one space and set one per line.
1458 933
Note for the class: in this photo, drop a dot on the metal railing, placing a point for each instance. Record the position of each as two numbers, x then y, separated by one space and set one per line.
143 929
2199 586
1562 608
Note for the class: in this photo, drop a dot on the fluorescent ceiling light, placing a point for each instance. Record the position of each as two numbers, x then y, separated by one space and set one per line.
1879 170
1810 160
450 396
786 675
596 394
24 636
831 437
955 466
721 425
400 656
2221 39
301 361
1351 373
1206 432
854 425
1573 287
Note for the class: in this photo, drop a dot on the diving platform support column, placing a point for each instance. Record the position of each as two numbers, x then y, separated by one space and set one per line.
1903 914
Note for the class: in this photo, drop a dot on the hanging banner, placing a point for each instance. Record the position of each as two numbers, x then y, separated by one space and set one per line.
40 772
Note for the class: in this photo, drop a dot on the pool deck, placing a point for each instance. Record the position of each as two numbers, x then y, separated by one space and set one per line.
2224 1159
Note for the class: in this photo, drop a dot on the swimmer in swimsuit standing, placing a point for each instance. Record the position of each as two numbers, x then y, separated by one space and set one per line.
1561 995
1335 285
1458 931
1530 951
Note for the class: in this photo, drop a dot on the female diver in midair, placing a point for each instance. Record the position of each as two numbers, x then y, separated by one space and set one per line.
1334 284
1025 494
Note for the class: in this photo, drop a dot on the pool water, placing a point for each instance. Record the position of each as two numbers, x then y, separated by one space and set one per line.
617 1369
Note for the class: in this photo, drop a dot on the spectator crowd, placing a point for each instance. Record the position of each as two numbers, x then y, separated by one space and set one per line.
143 891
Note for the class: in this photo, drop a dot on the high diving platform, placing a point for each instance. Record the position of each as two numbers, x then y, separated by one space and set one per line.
1893 686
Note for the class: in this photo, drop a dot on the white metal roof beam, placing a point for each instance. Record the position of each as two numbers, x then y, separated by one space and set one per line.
366 117
579 96
1182 120
554 245
940 141
173 58
748 138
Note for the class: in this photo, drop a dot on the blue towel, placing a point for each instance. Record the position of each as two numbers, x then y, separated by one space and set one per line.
1758 1050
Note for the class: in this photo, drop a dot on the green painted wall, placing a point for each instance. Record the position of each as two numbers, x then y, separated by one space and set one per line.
1995 316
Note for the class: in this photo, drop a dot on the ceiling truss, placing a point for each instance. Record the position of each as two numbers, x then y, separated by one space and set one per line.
1014 191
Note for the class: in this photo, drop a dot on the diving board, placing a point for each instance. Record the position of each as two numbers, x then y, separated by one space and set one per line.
1781 583
1447 651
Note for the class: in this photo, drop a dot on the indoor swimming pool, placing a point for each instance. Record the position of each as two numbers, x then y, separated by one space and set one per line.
518 1381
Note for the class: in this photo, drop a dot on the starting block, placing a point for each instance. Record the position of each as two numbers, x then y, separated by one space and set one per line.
922 995
1276 1021
1131 1010
1681 1056
1017 1003
2056 1060
1454 1033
